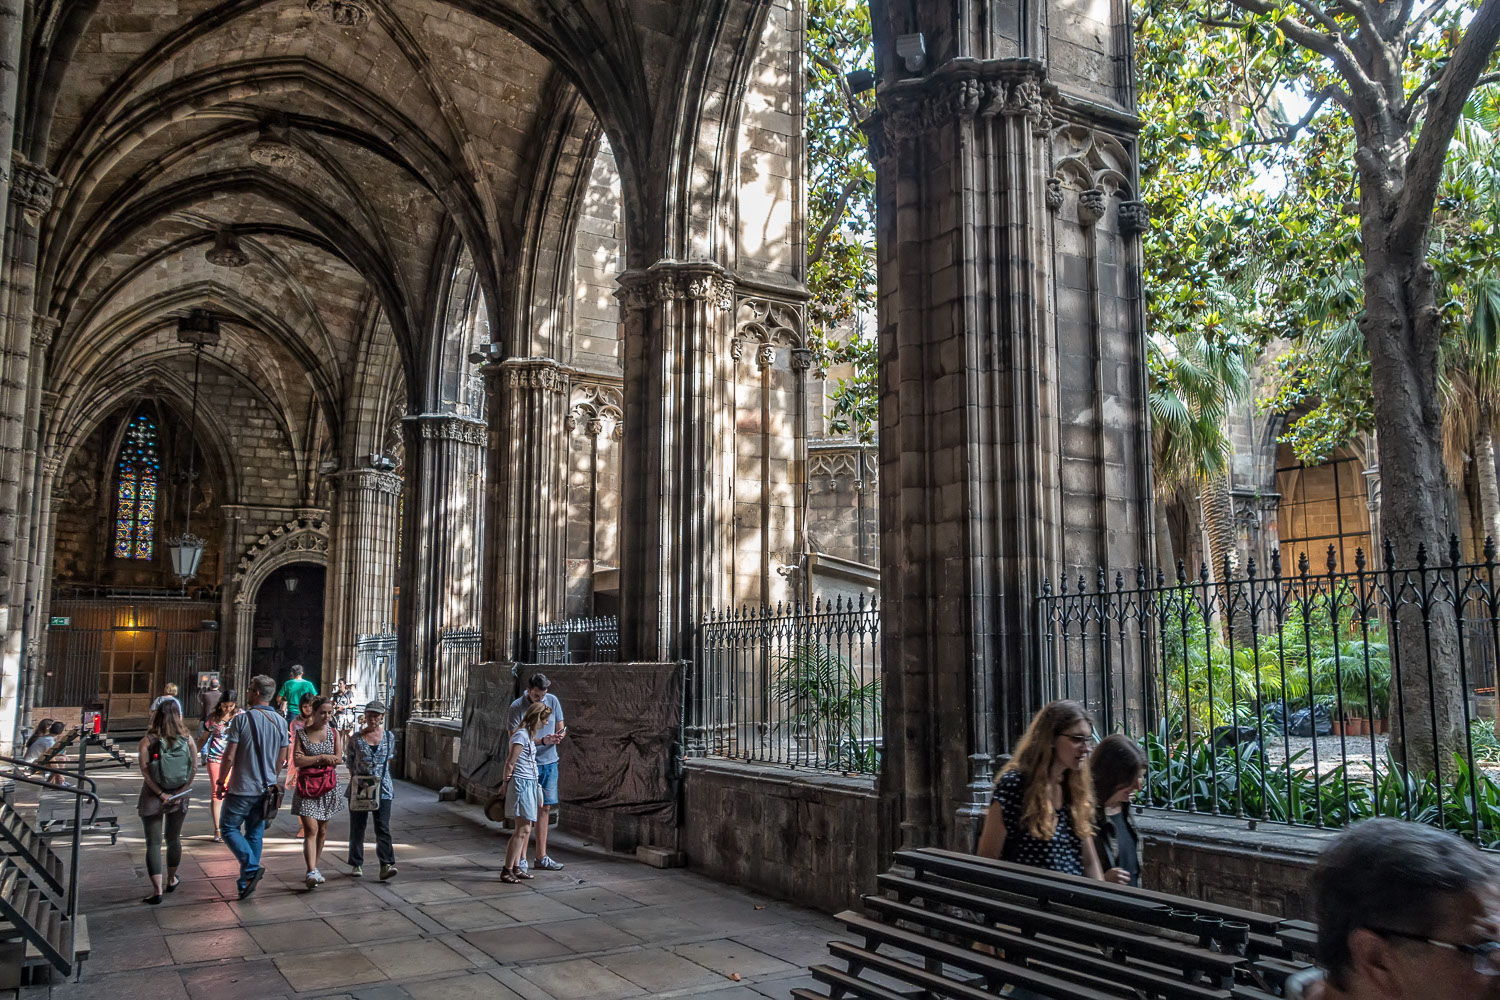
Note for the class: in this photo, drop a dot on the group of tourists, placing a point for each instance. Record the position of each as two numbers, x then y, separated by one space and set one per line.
309 735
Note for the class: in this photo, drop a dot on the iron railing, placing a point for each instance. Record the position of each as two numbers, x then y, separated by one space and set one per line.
792 685
375 662
579 640
443 697
1313 698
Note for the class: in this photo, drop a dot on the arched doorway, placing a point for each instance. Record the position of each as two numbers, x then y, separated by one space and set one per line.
289 623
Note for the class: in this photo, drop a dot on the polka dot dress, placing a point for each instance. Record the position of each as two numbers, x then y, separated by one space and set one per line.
1063 853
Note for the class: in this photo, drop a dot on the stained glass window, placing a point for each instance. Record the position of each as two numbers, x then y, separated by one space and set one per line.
135 496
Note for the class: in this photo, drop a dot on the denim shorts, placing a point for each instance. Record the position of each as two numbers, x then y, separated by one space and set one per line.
523 799
547 778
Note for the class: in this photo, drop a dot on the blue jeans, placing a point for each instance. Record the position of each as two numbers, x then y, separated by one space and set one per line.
243 811
546 776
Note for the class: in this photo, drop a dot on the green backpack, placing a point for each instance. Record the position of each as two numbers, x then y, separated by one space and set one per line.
171 763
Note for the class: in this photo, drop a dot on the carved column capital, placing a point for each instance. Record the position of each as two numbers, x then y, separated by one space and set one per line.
672 280
43 331
450 427
1135 217
543 374
1091 206
31 188
370 480
961 90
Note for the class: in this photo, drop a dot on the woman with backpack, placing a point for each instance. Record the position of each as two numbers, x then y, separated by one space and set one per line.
523 790
316 798
169 763
371 791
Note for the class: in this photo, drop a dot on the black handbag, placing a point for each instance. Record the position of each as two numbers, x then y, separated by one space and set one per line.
270 799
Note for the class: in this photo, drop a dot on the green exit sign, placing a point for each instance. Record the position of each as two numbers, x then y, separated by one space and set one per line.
61 620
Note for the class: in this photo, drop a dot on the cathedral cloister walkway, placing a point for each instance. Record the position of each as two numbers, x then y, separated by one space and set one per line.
446 928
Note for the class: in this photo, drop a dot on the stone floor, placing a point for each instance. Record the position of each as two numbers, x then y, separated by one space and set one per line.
446 928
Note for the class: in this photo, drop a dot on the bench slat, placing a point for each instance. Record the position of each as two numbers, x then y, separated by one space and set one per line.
1048 985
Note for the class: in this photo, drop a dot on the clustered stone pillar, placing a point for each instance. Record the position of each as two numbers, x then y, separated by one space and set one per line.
362 567
1012 405
30 198
677 454
527 502
441 582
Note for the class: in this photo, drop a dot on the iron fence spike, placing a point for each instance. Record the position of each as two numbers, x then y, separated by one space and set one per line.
1302 564
1250 568
1181 572
1421 555
1359 559
1454 550
1333 559
1489 549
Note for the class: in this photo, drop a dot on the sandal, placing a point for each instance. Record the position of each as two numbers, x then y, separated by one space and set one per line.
508 876
521 873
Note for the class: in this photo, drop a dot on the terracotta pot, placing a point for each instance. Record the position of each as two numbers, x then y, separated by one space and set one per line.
1358 727
1338 728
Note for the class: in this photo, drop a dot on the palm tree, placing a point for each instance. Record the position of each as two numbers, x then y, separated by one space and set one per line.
1471 400
1194 379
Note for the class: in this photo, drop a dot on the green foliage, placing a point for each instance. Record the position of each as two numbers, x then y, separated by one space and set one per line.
1192 776
1193 379
1325 651
828 703
840 209
1482 736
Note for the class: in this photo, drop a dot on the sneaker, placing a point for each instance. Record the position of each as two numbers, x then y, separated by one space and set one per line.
546 864
521 866
387 871
314 879
356 871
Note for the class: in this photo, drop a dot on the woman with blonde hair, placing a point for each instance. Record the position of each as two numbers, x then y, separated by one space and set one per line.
1043 810
169 763
523 790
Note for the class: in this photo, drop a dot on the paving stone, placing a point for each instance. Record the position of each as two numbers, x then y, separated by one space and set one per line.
532 907
469 916
325 970
377 925
298 935
730 957
211 945
579 979
658 971
587 935
352 899
781 989
516 944
594 900
152 985
427 892
118 954
475 986
659 924
235 981
401 960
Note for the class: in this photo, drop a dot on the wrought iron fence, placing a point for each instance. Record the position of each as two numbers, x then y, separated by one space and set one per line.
1312 698
375 664
794 685
578 640
443 694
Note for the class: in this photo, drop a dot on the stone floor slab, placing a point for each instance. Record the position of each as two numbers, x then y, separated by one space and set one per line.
592 900
531 907
325 970
475 986
235 981
516 944
153 985
730 958
579 979
658 971
402 960
212 945
588 935
374 925
466 916
296 935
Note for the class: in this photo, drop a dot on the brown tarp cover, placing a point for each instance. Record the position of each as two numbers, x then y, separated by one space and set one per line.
624 722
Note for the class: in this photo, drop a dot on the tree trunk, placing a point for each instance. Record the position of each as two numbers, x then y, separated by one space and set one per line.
1232 602
1401 332
1166 555
1489 488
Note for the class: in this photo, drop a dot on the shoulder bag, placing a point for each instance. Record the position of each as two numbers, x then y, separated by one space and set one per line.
270 799
364 789
318 780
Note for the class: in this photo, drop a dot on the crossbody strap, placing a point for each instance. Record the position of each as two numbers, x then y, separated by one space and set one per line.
255 742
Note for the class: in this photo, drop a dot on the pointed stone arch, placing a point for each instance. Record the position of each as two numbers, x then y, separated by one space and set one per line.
302 539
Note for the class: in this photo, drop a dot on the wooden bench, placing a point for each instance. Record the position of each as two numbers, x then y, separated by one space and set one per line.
954 926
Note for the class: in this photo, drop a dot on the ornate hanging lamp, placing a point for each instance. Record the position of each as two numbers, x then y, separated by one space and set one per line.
226 251
345 13
201 329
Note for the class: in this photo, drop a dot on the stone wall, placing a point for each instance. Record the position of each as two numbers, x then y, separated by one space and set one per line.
431 752
817 839
1221 861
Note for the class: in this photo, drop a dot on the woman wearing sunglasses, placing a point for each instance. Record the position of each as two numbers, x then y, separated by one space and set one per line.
1043 810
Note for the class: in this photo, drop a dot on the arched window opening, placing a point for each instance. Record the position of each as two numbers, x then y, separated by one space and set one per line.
136 475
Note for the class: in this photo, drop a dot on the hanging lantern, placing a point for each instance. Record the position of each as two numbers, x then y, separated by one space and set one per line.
226 251
198 327
272 148
291 584
186 551
345 13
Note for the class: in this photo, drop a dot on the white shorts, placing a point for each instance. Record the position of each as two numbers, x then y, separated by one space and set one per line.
523 799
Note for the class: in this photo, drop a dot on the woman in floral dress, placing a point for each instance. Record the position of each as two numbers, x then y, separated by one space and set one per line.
215 738
317 797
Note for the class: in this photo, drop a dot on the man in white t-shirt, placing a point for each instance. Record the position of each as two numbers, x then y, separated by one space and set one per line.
547 738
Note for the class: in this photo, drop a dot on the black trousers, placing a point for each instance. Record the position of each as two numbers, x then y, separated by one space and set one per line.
383 849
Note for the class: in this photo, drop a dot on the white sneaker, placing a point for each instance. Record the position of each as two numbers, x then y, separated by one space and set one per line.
546 864
522 865
315 879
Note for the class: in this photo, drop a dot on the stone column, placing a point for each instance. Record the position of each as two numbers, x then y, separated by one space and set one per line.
442 577
526 503
244 644
677 455
30 199
1013 436
230 675
361 566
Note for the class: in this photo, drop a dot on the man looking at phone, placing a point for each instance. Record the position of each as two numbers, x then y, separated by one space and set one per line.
547 738
1405 912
